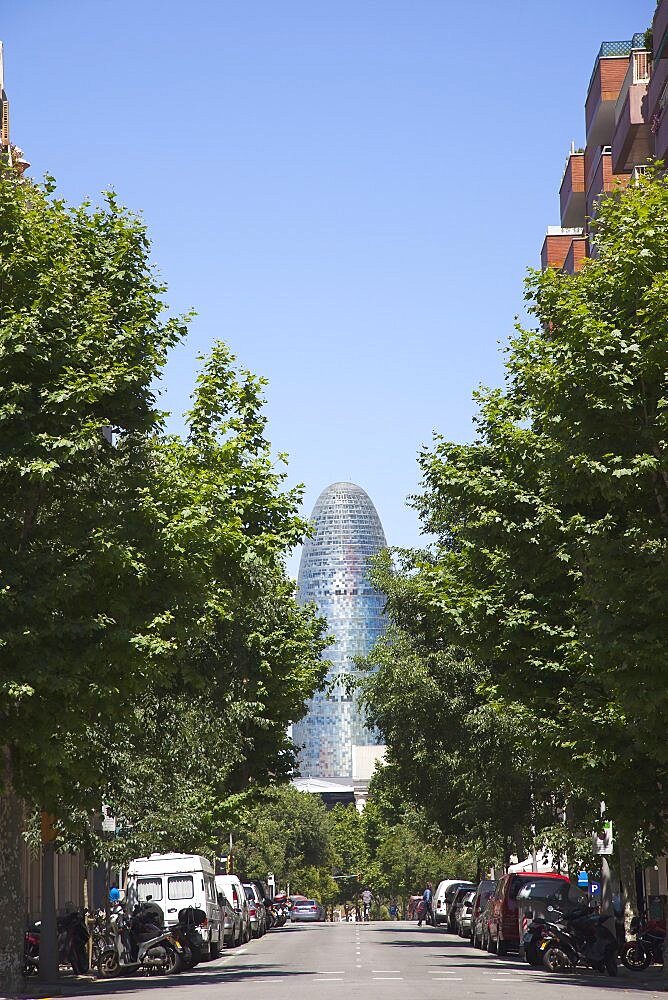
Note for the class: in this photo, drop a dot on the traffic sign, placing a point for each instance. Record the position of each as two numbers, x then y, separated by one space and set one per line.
595 888
583 880
602 838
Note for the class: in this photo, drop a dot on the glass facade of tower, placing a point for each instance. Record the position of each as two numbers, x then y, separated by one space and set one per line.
333 573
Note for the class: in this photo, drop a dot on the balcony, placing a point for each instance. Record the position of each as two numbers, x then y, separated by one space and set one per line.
600 177
660 31
657 104
612 63
557 244
631 143
572 192
576 256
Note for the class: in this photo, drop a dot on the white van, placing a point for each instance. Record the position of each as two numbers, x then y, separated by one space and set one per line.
175 881
440 908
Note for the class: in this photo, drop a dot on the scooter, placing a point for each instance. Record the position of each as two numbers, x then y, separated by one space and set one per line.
140 943
579 938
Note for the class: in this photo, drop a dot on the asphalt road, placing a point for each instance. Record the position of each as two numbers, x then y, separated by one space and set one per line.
375 961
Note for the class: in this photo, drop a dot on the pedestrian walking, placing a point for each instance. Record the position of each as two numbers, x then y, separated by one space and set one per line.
394 910
426 912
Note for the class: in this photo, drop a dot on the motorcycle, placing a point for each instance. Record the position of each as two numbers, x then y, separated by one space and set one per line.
72 944
31 952
186 933
648 946
140 942
580 937
272 914
281 911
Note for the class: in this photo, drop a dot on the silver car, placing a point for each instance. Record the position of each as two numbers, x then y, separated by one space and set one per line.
256 909
306 910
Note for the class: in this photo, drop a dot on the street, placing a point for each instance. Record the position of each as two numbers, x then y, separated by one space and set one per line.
376 961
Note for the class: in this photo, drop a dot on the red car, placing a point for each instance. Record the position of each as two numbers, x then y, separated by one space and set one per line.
504 932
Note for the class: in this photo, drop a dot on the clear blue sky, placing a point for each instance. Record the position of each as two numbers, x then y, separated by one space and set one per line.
347 191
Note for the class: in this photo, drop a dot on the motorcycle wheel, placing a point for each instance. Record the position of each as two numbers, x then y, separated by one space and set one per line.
635 956
611 960
108 965
556 959
174 962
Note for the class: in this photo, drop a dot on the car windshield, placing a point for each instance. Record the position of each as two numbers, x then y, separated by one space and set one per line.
540 888
249 892
452 891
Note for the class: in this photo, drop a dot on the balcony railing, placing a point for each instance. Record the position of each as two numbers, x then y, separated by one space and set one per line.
639 71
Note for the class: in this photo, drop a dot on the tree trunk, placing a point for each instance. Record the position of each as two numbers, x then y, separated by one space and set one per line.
627 871
11 883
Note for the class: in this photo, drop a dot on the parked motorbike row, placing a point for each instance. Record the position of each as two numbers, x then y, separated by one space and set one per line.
130 942
553 924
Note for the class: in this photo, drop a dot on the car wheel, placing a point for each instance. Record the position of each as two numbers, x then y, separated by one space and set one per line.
491 945
214 949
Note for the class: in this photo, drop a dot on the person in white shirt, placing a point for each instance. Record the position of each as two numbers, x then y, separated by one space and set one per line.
367 897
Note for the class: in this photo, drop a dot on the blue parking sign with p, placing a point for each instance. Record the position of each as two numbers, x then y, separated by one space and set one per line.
595 888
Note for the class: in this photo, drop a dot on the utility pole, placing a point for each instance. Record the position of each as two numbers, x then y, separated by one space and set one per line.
48 943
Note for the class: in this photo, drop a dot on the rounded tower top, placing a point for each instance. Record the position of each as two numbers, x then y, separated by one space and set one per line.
347 532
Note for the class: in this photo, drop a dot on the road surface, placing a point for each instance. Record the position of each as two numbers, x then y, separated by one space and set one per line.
375 961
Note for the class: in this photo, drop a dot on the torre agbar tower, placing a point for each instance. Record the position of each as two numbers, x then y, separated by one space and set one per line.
333 574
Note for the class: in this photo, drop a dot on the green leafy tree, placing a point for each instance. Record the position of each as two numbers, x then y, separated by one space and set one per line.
351 850
288 832
132 563
550 562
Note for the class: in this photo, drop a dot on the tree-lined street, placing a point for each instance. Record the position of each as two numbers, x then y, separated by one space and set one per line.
375 961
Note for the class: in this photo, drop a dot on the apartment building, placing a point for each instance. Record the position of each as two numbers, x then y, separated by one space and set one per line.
625 127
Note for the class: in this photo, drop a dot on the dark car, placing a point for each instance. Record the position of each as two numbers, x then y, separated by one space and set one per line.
479 929
455 905
452 896
504 932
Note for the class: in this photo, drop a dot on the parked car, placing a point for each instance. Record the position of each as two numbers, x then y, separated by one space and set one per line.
463 911
306 910
256 910
483 922
175 881
234 890
440 915
265 896
479 928
455 905
452 895
503 932
232 923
